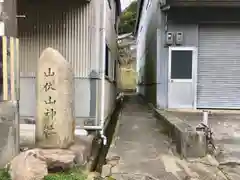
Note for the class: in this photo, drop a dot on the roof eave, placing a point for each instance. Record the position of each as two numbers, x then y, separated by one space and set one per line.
139 13
118 4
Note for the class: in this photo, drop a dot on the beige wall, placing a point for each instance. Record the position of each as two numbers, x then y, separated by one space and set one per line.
128 78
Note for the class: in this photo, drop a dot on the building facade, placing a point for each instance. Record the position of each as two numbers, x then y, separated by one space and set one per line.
188 53
85 33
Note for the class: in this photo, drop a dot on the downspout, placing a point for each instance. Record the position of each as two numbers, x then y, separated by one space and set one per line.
103 74
102 44
101 127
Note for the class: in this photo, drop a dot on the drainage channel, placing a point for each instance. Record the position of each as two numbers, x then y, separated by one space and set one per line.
109 133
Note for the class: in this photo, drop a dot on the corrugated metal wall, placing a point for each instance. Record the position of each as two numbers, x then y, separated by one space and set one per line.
67 27
70 27
74 29
218 67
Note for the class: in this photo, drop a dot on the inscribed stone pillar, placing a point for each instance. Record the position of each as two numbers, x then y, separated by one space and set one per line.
55 122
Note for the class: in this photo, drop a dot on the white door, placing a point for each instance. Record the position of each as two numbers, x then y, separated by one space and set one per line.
182 75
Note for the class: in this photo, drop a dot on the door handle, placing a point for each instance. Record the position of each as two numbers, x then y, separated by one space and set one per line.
170 80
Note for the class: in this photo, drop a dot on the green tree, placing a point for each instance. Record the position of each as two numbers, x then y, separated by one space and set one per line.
128 18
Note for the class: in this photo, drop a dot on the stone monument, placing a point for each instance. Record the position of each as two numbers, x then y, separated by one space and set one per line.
55 123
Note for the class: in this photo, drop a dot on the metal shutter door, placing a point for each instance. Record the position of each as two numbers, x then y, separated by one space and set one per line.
219 67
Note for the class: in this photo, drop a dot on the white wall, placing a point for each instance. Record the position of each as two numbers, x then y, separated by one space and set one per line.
110 97
111 40
147 39
111 35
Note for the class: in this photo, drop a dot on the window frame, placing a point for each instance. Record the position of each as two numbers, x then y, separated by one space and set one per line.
106 72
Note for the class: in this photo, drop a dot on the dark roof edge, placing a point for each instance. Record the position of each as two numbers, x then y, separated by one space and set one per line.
139 13
118 4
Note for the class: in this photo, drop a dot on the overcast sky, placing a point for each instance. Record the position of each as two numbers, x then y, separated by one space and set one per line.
125 3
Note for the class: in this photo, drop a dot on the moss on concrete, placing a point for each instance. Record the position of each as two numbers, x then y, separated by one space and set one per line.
150 79
4 175
74 174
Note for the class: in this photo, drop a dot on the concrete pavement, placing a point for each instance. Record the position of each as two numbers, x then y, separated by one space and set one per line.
226 129
141 151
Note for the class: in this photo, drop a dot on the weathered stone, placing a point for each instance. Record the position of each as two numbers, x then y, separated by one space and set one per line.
96 147
211 160
106 170
82 149
113 161
35 163
56 158
26 166
55 122
93 176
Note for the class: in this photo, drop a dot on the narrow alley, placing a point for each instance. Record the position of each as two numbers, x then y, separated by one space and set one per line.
140 151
